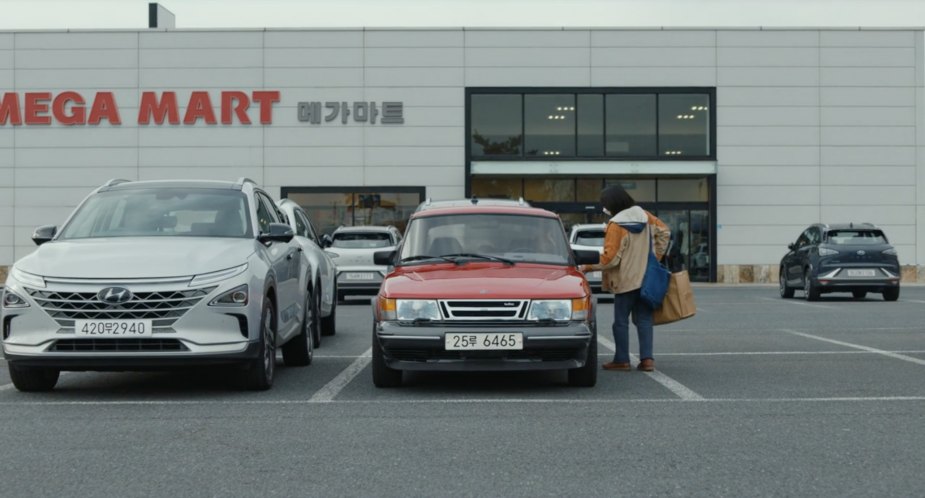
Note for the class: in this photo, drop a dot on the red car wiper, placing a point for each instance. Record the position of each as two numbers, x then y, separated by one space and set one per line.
479 256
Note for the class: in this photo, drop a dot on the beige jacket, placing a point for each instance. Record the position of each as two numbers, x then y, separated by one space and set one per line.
623 262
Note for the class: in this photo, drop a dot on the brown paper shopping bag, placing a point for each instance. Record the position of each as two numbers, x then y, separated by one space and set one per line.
679 301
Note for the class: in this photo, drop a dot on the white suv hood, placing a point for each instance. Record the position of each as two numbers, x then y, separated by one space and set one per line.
137 257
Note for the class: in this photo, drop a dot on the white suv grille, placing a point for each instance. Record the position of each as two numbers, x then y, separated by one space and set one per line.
163 307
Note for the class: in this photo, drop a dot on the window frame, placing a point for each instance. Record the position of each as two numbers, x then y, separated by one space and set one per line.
264 200
576 91
309 229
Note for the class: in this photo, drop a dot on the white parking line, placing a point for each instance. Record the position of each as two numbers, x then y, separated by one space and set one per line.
6 387
889 354
680 390
782 353
333 388
340 356
799 303
463 401
912 301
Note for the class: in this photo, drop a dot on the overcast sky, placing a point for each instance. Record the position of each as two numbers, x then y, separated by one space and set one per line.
133 14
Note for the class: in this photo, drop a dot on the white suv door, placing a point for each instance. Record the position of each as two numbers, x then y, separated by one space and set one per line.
286 264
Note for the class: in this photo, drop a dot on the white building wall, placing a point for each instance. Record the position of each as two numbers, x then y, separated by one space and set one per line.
812 125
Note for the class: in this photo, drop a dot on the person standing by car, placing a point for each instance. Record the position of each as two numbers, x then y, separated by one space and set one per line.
623 264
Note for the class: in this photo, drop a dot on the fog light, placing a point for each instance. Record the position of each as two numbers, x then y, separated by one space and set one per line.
234 297
11 300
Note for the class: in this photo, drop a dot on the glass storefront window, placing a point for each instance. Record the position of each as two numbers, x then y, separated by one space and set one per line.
683 190
588 189
329 210
549 125
549 190
384 208
497 188
496 125
630 125
641 190
326 210
683 125
590 116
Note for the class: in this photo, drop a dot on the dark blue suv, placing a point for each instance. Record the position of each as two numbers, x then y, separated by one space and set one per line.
853 257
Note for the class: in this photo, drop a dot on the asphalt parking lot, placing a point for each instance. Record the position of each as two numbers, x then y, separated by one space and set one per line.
754 396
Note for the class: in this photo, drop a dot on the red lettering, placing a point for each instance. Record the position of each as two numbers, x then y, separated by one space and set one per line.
78 112
200 106
237 101
266 100
36 107
104 107
9 109
150 107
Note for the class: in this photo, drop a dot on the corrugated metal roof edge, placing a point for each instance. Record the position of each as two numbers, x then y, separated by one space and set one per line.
480 28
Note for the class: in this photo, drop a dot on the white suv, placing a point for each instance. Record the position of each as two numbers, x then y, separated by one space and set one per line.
589 237
151 275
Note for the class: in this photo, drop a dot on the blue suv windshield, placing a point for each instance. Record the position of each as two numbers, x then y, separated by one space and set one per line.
161 212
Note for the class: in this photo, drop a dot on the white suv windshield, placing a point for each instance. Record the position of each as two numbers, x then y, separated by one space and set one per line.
590 238
161 212
514 237
361 240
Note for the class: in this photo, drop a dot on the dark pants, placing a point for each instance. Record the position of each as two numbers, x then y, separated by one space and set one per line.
623 305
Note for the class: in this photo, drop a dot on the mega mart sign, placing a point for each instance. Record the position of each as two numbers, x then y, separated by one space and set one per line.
71 108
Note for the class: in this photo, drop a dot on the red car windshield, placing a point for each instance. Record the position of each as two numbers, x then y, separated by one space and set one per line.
517 238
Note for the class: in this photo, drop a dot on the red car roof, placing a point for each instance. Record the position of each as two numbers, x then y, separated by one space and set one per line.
525 210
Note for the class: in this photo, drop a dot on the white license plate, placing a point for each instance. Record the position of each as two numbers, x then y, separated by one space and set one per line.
484 341
862 273
594 275
358 276
112 328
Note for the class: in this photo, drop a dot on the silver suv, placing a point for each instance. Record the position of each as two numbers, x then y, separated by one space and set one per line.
160 274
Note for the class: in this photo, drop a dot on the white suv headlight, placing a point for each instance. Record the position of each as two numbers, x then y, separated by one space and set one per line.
217 276
553 309
29 279
417 309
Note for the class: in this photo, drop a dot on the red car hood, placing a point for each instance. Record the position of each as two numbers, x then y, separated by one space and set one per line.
485 281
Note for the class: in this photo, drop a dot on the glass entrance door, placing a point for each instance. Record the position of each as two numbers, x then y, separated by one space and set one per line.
690 240
682 203
690 231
